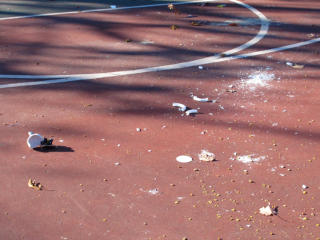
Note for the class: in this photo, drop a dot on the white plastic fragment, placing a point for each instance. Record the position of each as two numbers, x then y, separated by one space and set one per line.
289 64
184 159
182 107
191 111
304 186
34 140
113 6
200 67
221 107
267 211
138 129
153 191
206 156
249 158
200 99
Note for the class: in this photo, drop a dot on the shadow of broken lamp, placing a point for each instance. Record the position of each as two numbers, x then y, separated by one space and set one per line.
35 140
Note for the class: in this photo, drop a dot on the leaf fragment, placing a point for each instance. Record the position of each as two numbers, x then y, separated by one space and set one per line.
171 6
173 27
221 6
233 24
196 23
35 185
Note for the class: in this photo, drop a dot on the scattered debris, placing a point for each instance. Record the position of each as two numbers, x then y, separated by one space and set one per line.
184 159
171 6
257 79
35 185
196 23
87 105
221 5
267 211
173 27
146 42
200 99
153 191
249 158
231 90
200 67
304 186
117 164
204 132
191 16
294 65
36 140
138 129
191 112
206 156
233 24
182 107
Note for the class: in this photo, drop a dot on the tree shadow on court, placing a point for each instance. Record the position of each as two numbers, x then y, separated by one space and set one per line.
117 40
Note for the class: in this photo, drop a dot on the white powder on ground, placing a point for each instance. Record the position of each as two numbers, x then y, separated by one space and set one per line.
153 191
250 158
257 79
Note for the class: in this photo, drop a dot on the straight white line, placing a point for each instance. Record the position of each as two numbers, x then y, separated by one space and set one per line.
76 77
115 74
273 50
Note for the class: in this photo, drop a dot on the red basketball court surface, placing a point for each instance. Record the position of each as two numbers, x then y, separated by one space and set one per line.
102 84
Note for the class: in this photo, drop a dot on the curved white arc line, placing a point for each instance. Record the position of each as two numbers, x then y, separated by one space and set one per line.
114 74
262 32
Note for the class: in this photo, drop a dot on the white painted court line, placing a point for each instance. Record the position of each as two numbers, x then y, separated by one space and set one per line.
122 73
203 61
77 77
